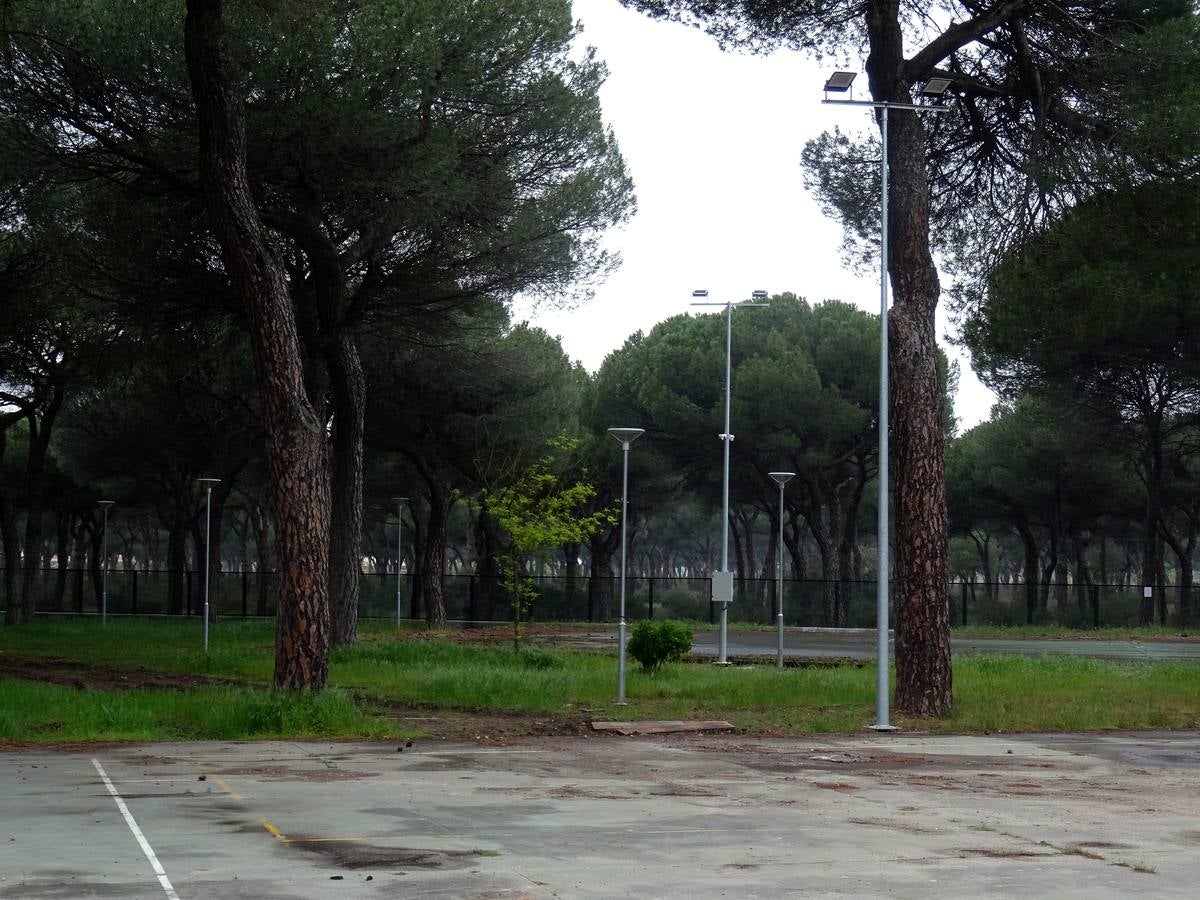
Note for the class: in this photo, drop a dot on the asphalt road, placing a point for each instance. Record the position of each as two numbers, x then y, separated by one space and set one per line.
860 644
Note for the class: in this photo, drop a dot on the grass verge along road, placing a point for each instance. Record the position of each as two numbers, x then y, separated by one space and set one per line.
73 680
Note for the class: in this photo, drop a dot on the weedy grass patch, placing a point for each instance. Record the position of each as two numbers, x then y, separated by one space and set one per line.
390 669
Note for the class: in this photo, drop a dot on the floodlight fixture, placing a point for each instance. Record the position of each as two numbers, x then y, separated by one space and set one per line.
759 295
840 82
700 293
781 478
936 87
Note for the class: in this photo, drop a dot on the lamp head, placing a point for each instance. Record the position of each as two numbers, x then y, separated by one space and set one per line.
105 504
839 82
781 478
626 435
935 87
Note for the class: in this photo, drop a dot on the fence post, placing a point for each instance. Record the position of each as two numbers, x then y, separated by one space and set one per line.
133 598
1095 606
472 601
245 591
650 602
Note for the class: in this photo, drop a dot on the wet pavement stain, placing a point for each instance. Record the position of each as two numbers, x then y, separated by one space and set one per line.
359 855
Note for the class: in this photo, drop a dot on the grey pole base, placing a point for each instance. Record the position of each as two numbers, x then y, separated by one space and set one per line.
884 728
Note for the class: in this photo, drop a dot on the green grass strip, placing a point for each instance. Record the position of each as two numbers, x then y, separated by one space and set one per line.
34 711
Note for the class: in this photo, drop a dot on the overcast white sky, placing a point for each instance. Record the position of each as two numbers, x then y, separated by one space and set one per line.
713 142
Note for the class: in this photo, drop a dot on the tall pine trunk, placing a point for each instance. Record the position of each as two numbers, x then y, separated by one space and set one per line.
924 682
433 560
296 447
349 389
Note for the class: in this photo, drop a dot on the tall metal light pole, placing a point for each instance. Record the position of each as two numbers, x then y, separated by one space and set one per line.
208 486
781 478
399 501
840 82
104 505
722 590
626 436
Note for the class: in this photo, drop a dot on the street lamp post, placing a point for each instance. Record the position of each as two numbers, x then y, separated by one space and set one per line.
208 486
399 501
840 82
626 436
781 478
104 505
723 585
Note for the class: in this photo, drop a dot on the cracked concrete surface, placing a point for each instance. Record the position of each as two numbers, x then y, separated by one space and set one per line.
906 815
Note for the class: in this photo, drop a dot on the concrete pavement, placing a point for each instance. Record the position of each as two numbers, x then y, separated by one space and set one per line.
908 816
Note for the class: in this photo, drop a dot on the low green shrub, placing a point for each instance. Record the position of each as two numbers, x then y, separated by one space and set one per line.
656 642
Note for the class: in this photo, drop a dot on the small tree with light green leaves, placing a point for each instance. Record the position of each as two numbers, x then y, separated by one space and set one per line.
537 511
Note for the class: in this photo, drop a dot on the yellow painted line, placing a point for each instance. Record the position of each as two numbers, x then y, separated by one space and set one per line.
270 827
275 832
230 791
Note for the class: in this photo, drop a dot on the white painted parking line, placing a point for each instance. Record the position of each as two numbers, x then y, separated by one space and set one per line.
137 833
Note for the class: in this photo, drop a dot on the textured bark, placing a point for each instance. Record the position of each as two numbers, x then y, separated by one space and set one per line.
487 566
262 550
176 561
296 446
40 427
825 523
8 531
433 560
793 537
349 390
1083 574
924 681
62 534
603 546
570 573
1029 572
1152 557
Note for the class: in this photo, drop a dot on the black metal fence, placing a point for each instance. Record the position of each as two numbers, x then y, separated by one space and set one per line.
475 598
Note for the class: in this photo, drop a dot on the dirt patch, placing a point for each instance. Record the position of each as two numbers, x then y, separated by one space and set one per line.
503 634
98 677
488 728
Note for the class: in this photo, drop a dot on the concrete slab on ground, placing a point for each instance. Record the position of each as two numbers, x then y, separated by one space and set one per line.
901 815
